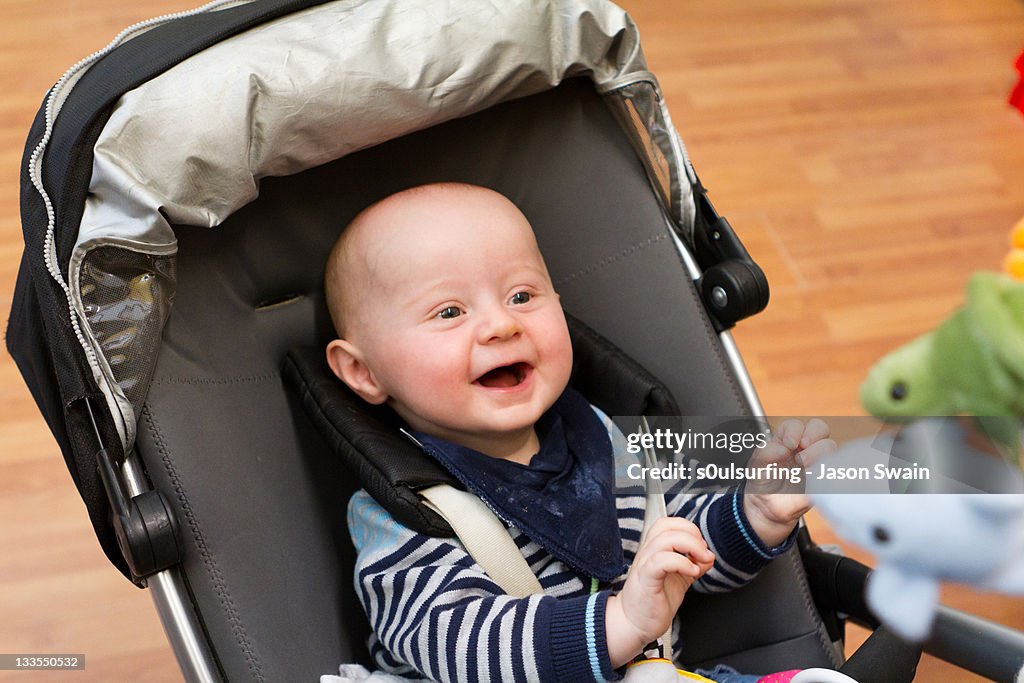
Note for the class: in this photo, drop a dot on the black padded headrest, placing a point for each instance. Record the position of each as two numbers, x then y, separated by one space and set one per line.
392 469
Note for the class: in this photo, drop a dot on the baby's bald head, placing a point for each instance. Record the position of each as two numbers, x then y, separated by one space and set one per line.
448 315
352 266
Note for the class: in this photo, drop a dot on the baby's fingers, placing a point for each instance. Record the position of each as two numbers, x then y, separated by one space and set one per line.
663 564
772 452
816 430
816 451
679 542
674 524
789 434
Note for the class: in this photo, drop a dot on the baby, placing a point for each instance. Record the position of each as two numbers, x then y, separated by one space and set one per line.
446 313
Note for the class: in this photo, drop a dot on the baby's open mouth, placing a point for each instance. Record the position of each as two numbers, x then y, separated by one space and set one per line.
504 376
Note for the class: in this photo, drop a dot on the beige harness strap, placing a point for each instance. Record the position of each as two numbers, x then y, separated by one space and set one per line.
486 539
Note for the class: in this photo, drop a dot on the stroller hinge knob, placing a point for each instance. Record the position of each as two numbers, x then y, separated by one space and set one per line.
733 290
719 298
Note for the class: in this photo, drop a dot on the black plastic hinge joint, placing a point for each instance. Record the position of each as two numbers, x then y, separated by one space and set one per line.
732 285
144 525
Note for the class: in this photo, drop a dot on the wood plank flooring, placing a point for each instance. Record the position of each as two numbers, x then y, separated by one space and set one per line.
862 148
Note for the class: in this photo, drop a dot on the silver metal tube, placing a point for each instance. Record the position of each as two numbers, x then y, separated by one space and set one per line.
732 353
180 622
182 628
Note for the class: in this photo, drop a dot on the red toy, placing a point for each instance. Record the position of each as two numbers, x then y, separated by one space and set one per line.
1017 96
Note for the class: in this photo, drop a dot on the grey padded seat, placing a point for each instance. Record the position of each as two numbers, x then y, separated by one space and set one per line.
260 499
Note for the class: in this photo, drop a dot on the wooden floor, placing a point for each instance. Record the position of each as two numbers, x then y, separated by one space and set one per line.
862 148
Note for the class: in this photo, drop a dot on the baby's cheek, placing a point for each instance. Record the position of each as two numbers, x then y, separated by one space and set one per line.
446 373
558 353
421 370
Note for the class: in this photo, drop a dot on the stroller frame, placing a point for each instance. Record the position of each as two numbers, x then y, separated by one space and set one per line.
89 405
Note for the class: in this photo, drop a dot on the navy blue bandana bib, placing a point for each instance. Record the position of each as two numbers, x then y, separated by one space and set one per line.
564 500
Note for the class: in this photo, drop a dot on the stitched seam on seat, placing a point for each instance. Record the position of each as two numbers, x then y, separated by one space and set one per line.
202 380
607 261
723 361
805 592
204 550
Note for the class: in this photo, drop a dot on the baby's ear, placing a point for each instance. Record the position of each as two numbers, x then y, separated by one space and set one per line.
348 365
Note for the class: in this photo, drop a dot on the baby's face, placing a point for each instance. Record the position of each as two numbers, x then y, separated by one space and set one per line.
458 321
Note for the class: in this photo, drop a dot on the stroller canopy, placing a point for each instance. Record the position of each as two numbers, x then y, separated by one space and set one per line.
190 145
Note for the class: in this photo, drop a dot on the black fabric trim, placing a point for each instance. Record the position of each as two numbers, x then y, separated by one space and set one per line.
613 381
366 438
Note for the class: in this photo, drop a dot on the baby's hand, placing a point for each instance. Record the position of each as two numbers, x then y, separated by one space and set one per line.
772 512
671 557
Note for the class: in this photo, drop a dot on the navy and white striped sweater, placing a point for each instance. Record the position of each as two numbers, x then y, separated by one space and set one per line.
435 613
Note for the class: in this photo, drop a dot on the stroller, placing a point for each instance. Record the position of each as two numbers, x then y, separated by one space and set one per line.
211 159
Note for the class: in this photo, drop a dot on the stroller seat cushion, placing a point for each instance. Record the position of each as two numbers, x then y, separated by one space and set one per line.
392 468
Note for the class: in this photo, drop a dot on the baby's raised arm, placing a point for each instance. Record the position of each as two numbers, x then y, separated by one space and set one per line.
670 558
774 513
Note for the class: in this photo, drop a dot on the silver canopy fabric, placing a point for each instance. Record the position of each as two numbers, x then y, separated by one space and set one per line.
190 146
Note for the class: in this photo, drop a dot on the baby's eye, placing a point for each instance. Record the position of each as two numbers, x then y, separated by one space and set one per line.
450 312
520 298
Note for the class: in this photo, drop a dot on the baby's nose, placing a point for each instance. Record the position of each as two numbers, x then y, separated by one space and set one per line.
499 326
